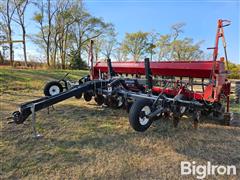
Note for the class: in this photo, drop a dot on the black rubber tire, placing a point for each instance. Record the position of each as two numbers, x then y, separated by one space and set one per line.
99 99
106 102
219 115
113 102
128 105
196 118
135 113
49 85
175 121
87 96
79 96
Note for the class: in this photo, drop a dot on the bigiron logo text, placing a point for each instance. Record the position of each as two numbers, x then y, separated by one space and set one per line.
201 171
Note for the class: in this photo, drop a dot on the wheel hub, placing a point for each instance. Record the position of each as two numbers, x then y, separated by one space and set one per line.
143 115
53 90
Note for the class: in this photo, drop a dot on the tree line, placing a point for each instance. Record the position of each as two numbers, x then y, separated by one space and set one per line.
65 28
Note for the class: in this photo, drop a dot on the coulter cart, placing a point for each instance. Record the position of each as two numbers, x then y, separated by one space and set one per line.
147 90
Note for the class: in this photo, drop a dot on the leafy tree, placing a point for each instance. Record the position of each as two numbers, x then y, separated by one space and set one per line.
185 49
164 43
76 62
174 48
152 44
235 70
135 44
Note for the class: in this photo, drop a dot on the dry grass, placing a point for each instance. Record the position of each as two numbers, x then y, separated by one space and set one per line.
83 140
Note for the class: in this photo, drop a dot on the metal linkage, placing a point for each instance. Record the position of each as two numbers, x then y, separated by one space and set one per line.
148 73
35 134
45 102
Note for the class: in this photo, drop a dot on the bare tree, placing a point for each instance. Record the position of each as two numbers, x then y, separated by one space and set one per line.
177 30
109 43
119 54
104 45
21 6
1 58
65 30
7 10
64 19
98 45
3 33
84 29
45 19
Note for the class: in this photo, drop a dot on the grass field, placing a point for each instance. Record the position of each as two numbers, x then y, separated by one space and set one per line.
82 140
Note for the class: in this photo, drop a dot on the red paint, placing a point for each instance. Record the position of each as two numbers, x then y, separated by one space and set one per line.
195 69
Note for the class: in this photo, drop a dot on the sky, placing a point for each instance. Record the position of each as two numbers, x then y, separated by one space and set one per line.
200 17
